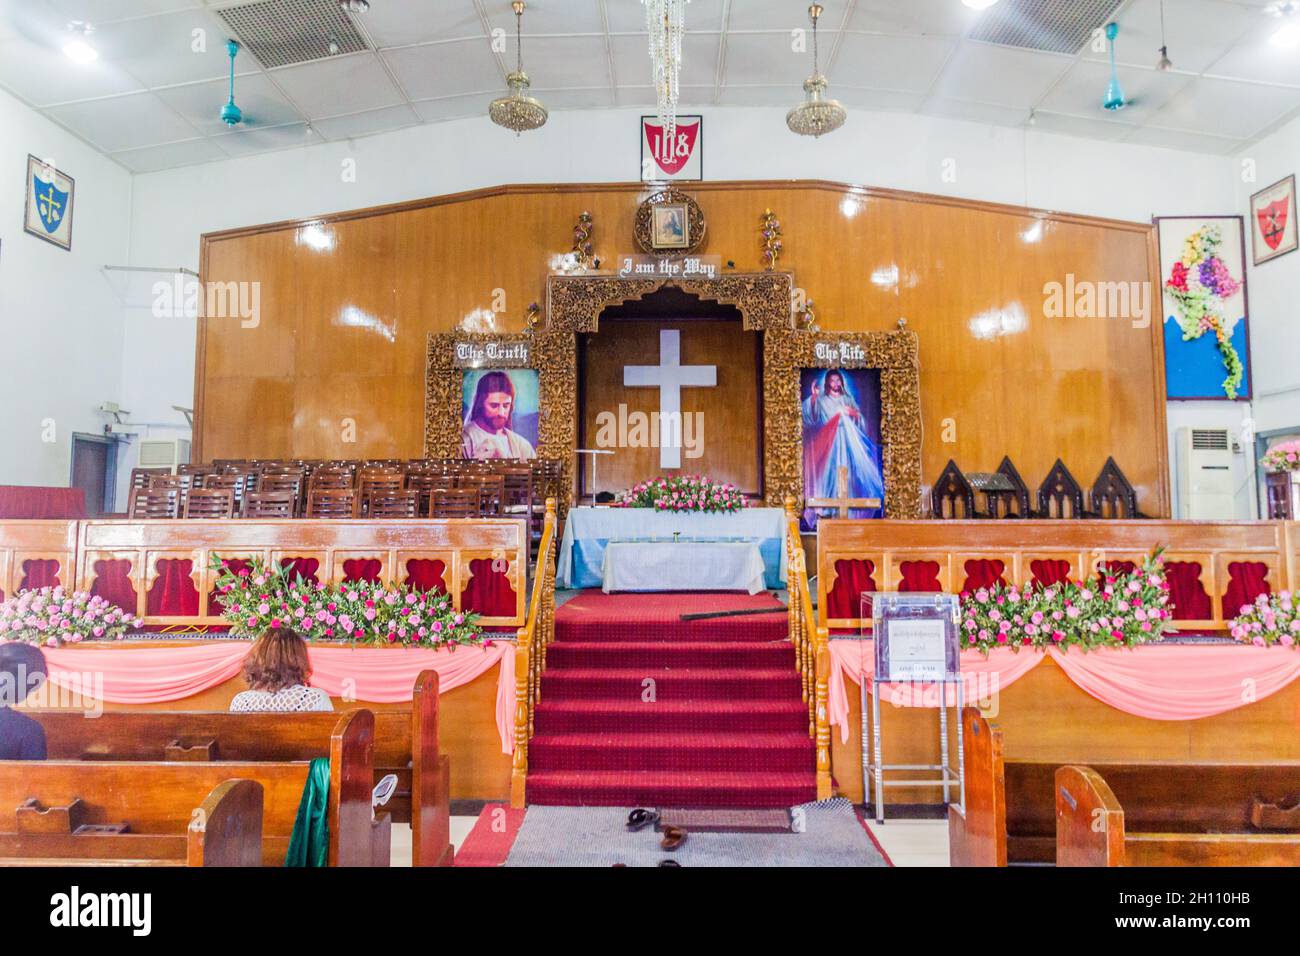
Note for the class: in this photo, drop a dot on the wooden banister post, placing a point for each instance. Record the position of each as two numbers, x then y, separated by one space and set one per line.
523 676
822 655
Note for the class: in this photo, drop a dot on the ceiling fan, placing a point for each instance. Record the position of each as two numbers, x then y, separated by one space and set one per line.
231 114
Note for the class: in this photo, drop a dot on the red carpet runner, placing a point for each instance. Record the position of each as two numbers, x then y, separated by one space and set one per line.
641 709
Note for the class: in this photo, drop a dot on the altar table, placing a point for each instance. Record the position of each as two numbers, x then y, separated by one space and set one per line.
683 566
588 531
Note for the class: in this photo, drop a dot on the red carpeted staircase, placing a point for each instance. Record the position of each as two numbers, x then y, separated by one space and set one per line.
727 726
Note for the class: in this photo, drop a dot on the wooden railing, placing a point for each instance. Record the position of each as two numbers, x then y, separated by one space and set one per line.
1212 555
532 642
36 554
811 648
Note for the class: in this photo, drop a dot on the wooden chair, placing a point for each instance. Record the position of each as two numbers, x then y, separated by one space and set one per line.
1023 509
952 495
236 484
1060 496
423 482
392 504
490 488
454 503
290 482
1112 496
331 503
331 479
270 504
517 491
140 477
210 503
151 503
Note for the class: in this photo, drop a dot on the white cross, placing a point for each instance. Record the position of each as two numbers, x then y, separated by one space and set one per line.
670 376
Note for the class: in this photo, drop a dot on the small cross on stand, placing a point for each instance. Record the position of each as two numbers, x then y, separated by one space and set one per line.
842 501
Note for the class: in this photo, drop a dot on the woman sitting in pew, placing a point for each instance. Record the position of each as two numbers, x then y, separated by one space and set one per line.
22 670
277 670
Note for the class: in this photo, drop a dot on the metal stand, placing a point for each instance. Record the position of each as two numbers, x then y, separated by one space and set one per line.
593 452
874 767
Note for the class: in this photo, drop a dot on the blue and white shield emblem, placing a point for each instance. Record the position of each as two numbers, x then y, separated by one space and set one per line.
51 204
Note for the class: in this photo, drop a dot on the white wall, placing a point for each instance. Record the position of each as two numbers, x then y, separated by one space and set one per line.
60 321
172 208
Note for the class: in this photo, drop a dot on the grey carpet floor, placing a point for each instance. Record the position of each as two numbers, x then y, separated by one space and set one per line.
597 836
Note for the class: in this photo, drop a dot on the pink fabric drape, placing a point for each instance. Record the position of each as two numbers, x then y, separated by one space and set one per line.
151 675
1158 682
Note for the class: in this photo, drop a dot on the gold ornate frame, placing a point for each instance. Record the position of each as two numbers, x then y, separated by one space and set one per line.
573 306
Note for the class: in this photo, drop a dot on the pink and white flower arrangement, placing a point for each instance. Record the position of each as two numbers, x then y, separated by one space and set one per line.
54 616
1272 619
681 493
256 598
1284 456
1110 610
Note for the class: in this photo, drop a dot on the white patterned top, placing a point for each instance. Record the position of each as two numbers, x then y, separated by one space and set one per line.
294 697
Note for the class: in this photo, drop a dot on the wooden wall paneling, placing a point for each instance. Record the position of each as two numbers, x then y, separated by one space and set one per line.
969 277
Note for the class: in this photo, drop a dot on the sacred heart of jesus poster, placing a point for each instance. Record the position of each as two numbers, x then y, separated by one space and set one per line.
1273 221
49 203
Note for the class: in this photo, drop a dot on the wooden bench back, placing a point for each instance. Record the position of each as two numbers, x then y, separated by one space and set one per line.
878 549
158 797
1095 827
1011 810
405 743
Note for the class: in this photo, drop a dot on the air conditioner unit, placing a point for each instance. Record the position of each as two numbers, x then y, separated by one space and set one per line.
168 453
1203 459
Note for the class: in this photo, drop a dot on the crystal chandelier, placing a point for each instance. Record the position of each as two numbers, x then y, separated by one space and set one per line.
665 22
815 115
518 111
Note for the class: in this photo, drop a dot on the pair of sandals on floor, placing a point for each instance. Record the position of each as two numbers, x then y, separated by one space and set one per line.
673 836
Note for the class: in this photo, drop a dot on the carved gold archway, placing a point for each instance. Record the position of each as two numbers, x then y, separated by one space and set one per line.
574 304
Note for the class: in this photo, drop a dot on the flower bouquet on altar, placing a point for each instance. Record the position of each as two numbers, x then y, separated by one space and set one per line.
684 493
1272 619
255 597
1282 457
1111 610
53 617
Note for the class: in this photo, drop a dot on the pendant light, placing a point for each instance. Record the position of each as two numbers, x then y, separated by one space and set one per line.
815 115
1164 64
1114 99
518 111
231 114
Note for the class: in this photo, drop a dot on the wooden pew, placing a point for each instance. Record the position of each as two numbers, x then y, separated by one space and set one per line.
1093 828
224 830
1010 814
405 744
135 792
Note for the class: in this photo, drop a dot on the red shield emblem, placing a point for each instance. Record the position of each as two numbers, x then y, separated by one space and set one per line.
672 155
1272 221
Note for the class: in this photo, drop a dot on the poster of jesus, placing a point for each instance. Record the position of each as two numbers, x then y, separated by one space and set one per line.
841 429
499 412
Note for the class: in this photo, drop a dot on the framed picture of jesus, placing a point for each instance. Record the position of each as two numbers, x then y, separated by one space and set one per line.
499 412
1273 229
841 435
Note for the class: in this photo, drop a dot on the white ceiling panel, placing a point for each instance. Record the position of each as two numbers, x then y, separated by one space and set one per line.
890 63
766 58
153 158
258 98
154 94
402 24
557 62
1228 108
26 70
916 17
1001 75
446 69
699 59
345 84
246 141
1198 32
1081 91
364 124
124 122
176 48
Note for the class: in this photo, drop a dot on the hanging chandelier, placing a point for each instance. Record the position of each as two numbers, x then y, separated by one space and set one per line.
518 111
665 22
815 115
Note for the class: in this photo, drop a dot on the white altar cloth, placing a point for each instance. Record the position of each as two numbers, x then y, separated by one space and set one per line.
682 566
